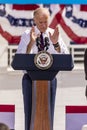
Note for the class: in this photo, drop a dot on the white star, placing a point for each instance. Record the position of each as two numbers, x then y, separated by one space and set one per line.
20 22
83 25
69 8
27 23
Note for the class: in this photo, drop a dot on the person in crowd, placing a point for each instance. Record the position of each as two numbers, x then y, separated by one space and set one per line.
3 126
85 69
85 64
39 37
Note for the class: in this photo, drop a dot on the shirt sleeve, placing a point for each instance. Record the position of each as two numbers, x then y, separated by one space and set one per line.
63 46
23 43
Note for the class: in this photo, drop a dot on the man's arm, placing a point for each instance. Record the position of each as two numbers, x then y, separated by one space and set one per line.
22 47
29 47
33 37
57 47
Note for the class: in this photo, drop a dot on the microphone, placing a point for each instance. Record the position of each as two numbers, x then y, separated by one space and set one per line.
39 45
38 41
46 42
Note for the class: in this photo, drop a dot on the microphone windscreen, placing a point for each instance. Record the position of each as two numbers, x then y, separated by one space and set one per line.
37 41
46 39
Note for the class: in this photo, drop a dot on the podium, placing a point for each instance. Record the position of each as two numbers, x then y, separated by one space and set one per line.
41 111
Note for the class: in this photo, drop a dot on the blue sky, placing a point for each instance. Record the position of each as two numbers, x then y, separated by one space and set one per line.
44 1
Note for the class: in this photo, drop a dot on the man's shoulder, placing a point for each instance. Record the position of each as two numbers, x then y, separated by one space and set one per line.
27 31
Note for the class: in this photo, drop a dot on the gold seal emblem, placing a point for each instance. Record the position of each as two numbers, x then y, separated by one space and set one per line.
43 60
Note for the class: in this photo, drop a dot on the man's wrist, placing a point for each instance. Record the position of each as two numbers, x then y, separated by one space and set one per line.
56 45
29 46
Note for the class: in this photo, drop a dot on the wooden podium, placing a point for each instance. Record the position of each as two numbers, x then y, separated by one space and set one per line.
41 111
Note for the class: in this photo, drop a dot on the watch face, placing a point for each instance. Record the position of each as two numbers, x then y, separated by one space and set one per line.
43 60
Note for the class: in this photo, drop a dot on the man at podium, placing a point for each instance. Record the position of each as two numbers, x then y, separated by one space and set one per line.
39 38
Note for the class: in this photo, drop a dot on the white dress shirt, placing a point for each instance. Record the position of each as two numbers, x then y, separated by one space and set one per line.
26 38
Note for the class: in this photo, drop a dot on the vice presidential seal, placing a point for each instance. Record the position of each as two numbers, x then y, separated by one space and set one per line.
43 60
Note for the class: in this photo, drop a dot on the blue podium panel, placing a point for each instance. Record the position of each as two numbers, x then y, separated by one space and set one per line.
61 62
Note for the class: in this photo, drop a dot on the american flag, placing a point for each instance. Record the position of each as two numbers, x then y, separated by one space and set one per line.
7 115
15 19
76 117
73 20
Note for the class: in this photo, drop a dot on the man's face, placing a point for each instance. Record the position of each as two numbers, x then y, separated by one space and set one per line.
41 22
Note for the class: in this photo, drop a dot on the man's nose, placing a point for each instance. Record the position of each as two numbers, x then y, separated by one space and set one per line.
43 25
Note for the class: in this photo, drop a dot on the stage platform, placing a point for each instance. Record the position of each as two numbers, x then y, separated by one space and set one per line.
70 91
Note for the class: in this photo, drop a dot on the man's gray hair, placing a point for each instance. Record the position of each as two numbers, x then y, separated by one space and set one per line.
41 10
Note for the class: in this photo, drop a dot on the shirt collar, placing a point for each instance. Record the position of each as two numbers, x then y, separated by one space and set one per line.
37 31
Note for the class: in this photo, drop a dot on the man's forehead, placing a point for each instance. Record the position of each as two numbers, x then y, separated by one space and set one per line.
42 16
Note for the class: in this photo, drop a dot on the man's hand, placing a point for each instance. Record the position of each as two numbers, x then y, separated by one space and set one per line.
33 36
54 37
